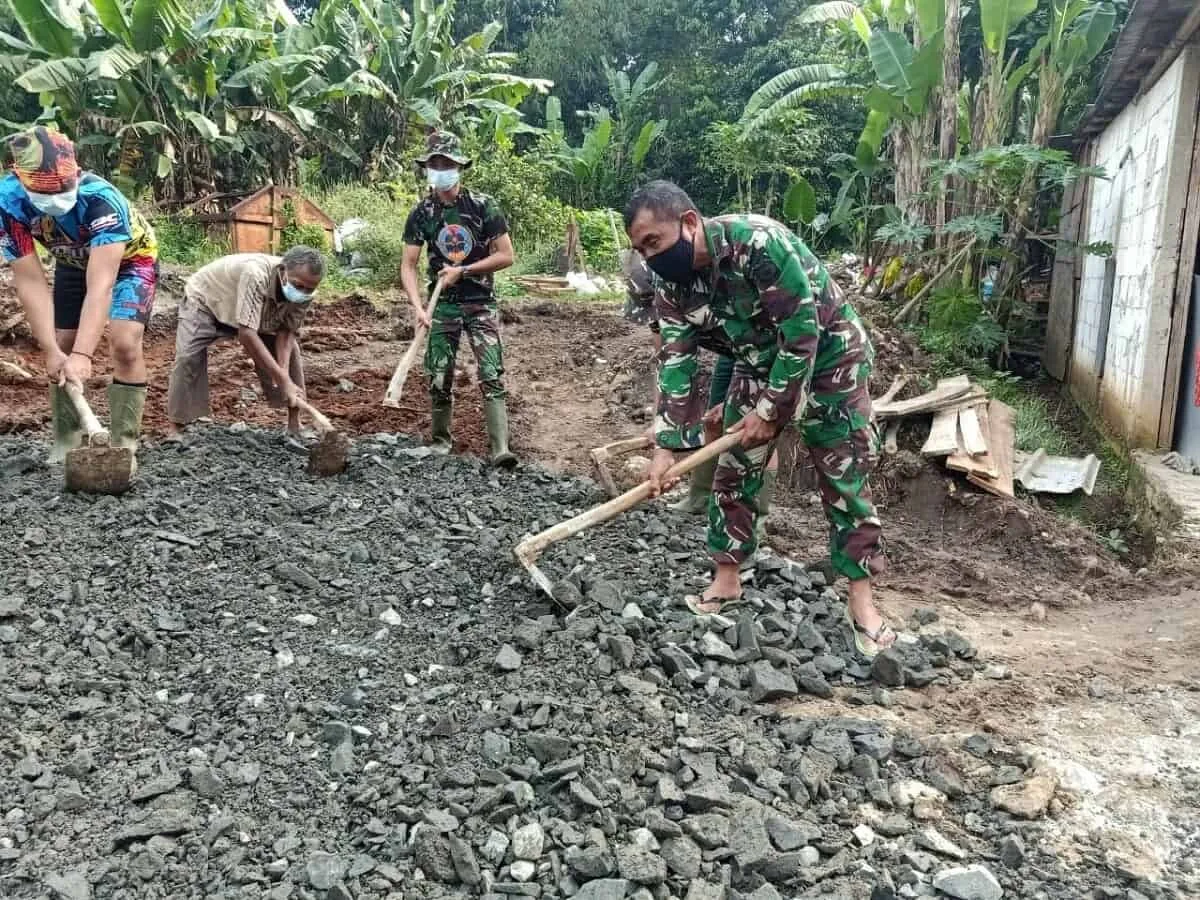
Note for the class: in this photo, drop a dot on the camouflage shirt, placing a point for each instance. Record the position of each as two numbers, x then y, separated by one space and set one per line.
766 301
456 236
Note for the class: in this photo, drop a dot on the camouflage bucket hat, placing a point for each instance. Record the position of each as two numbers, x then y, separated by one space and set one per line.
44 161
443 143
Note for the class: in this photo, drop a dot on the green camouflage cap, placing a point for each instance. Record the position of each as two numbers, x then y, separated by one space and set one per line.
443 143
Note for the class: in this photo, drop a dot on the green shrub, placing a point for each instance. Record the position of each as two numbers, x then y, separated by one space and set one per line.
541 259
386 208
521 185
186 242
960 332
599 241
296 233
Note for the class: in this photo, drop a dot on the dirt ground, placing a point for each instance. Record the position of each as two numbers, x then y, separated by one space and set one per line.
1099 661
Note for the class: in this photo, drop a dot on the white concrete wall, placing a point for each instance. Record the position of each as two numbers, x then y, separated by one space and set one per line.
1146 151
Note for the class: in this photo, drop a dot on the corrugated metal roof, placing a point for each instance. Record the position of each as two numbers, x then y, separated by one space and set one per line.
1152 30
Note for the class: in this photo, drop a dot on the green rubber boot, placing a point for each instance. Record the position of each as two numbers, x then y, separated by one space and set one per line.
497 426
439 432
126 404
68 430
699 490
765 495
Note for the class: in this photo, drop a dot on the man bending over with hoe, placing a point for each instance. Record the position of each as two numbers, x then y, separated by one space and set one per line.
640 291
105 271
802 358
262 301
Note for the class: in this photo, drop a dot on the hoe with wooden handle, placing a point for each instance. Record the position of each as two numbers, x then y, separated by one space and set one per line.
396 385
601 456
528 551
329 456
96 467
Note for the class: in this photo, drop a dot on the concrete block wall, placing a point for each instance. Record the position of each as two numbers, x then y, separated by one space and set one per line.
1118 353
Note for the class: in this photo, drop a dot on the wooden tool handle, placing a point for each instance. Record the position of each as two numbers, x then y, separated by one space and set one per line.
529 549
628 445
396 385
90 423
15 370
319 420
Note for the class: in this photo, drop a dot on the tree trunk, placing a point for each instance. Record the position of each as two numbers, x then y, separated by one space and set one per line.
908 148
1051 90
948 139
990 122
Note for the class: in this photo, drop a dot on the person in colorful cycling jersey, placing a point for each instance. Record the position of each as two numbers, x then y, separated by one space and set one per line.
105 269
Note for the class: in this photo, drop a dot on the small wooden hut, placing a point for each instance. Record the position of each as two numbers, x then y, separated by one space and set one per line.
256 223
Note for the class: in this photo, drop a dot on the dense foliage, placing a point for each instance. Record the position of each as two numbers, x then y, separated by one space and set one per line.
915 132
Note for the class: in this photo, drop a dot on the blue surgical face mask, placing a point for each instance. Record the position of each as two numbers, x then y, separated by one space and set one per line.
442 179
54 204
293 294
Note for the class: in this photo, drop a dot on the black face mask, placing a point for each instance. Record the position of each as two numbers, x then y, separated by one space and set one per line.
675 263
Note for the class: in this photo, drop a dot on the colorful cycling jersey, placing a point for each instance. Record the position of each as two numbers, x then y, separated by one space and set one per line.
101 216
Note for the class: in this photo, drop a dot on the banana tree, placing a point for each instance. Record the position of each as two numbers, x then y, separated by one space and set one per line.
904 100
632 142
163 95
793 87
396 73
1079 30
584 165
616 141
1001 76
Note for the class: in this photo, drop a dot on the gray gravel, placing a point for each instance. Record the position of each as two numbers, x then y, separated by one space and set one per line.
241 681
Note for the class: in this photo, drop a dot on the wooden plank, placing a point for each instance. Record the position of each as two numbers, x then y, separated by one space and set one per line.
1181 308
897 383
14 369
973 439
891 444
947 389
973 397
1001 423
943 434
1061 302
964 462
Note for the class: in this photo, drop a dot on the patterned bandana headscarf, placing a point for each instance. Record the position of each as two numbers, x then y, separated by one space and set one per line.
44 161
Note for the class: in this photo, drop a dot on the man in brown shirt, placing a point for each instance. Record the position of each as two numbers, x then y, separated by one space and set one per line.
259 299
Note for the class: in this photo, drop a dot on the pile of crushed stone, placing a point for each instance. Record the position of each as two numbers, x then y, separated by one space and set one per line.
240 681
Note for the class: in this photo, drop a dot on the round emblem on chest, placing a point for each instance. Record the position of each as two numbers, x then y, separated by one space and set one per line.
455 242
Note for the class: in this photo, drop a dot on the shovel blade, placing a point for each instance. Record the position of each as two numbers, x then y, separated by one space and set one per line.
100 470
330 454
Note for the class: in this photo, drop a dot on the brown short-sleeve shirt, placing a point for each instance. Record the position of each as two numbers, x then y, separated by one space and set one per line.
241 290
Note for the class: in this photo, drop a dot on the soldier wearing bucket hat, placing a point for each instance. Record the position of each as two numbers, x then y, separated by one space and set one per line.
105 271
466 236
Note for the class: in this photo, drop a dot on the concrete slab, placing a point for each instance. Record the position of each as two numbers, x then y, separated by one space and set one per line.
1167 500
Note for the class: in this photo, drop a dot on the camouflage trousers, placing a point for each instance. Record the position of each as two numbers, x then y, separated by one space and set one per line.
482 324
839 430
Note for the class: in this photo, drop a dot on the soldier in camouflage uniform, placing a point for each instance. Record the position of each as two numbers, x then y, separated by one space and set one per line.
467 239
802 357
639 308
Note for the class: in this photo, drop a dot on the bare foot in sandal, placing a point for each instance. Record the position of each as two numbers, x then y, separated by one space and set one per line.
725 590
867 621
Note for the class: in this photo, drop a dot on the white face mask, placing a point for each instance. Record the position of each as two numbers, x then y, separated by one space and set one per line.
442 179
54 204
